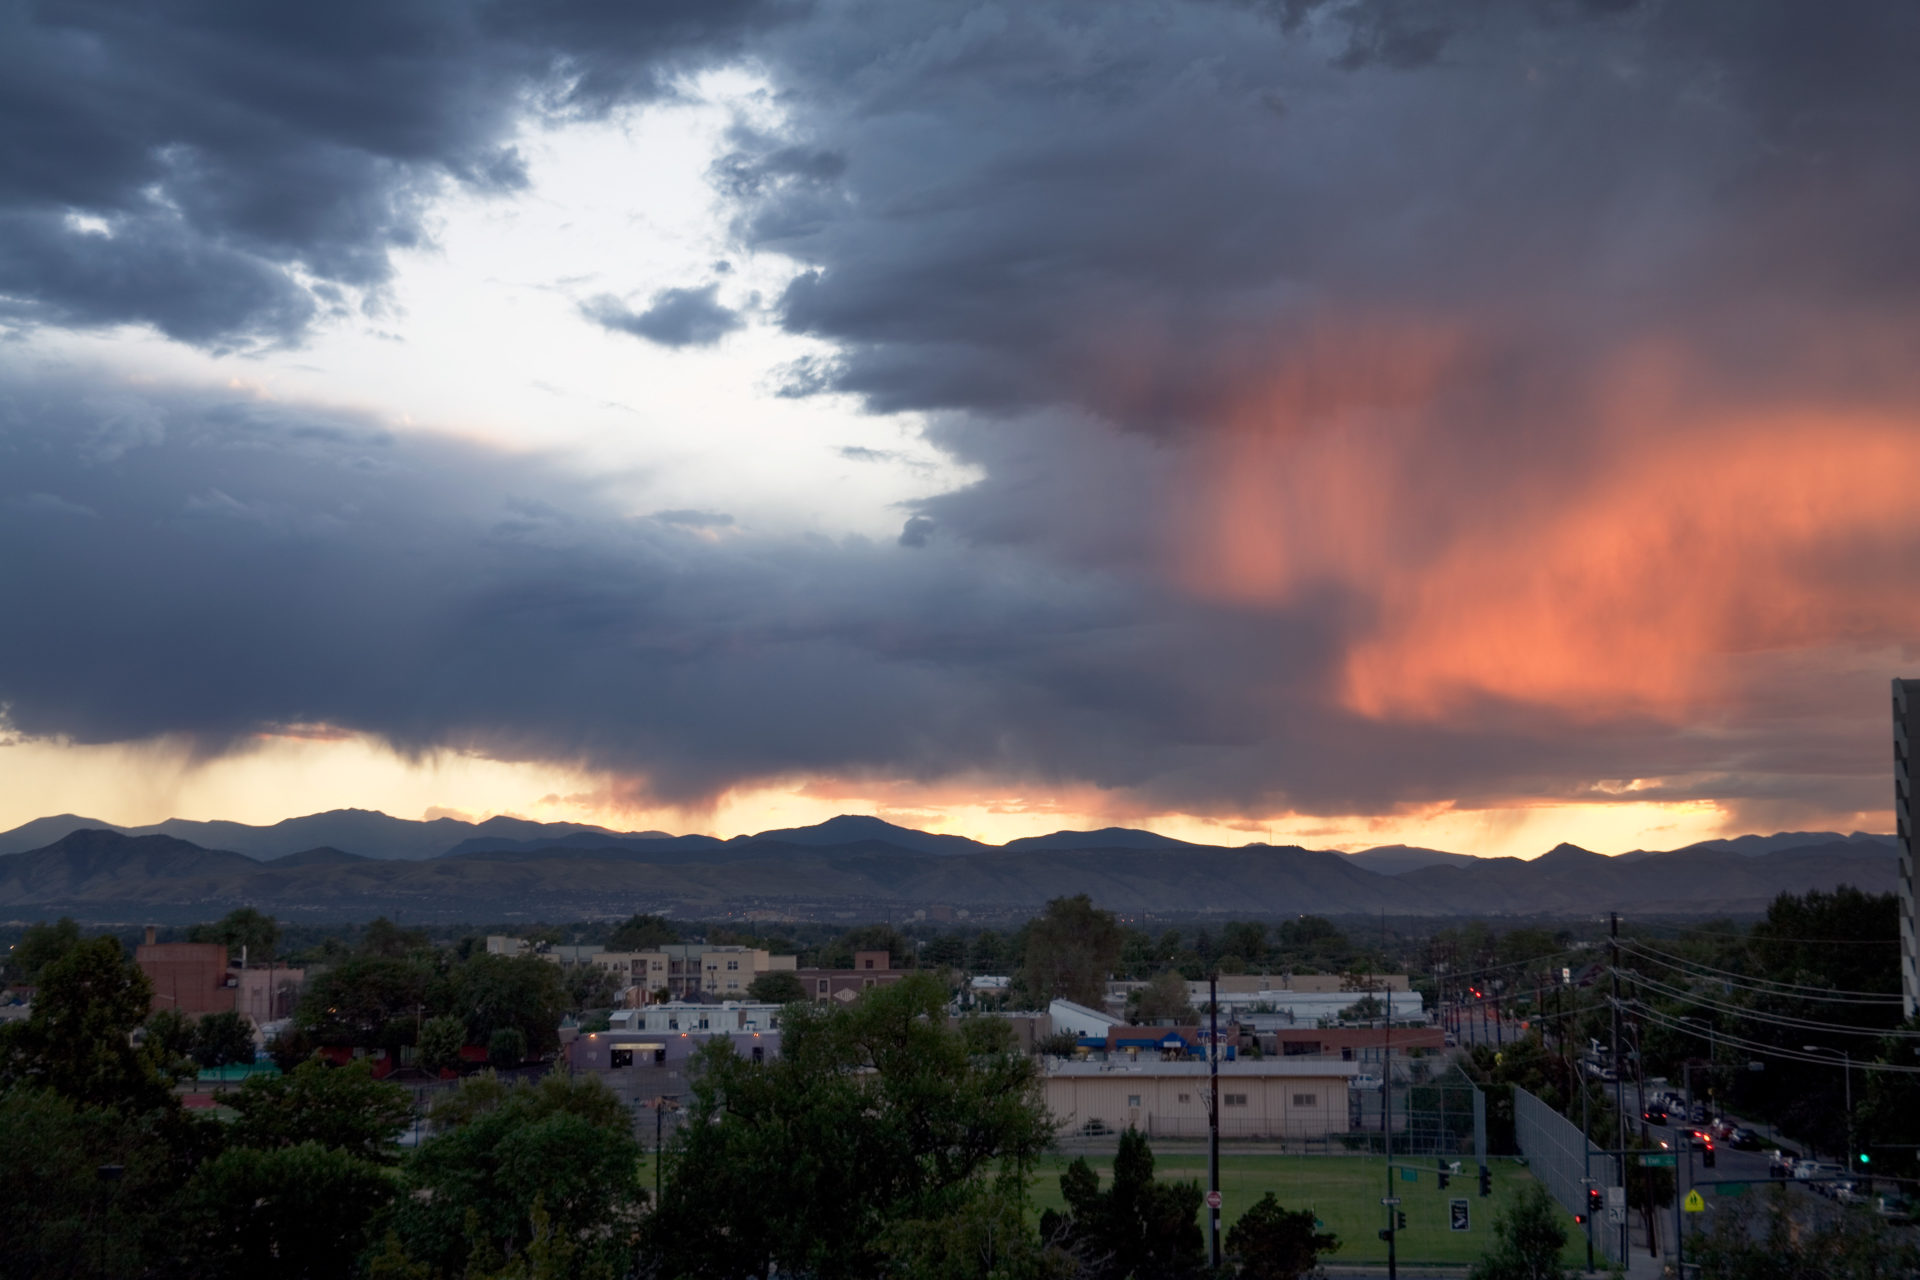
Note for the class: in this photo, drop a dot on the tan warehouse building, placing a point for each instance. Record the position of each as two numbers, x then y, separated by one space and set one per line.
1294 1099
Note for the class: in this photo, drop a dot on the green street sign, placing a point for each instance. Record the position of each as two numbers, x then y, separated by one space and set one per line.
1729 1189
1409 1175
1666 1161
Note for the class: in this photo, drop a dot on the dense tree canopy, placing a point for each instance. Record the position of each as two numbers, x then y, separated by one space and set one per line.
1137 1227
1071 950
877 1123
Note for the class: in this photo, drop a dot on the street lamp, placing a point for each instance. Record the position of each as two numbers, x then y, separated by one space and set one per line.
1846 1070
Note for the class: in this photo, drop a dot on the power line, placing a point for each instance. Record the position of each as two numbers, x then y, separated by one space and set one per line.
1766 986
1758 1015
1768 1050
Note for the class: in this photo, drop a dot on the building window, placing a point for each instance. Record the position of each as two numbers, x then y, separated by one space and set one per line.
1186 1098
1306 1099
733 964
1133 1099
823 986
1234 1099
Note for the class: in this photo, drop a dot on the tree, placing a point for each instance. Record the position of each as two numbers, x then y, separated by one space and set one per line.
1791 1235
61 1220
1527 1240
777 987
989 1237
1272 1243
642 933
352 1004
1071 948
507 1047
513 1166
839 953
343 1108
304 1210
1137 1227
522 992
77 1039
441 1040
387 940
1162 1000
242 930
946 950
220 1038
1244 940
876 1124
167 1042
39 947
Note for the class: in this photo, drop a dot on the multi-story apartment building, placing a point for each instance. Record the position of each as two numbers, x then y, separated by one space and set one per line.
693 969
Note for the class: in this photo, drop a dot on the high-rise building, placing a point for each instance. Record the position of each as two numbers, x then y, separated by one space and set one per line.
1906 817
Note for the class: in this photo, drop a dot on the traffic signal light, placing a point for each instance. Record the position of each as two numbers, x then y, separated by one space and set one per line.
1486 1181
1707 1158
1444 1178
1593 1203
1399 1221
1864 1159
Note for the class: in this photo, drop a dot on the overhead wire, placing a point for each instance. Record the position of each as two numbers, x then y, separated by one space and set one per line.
1787 990
1761 1015
1761 1049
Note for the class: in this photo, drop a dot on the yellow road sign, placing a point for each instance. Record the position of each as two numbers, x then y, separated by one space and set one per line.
1695 1203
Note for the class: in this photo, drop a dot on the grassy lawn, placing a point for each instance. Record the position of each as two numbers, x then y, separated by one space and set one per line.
1344 1193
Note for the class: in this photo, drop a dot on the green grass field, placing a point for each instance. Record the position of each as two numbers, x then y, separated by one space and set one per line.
1344 1192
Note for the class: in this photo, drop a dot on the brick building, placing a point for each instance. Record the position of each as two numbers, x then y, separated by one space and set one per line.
840 986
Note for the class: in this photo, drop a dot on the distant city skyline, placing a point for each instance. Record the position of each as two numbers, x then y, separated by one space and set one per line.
1339 423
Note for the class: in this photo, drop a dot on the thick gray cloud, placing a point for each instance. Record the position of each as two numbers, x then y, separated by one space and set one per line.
201 563
1277 333
689 317
1135 208
223 152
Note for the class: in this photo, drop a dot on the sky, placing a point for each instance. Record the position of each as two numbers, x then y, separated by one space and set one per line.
1336 422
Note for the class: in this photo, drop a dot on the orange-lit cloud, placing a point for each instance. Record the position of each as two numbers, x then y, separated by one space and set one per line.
1618 557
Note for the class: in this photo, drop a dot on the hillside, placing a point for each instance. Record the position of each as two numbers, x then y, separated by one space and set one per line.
102 874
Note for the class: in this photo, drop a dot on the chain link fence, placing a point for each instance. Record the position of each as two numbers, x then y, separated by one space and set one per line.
1566 1163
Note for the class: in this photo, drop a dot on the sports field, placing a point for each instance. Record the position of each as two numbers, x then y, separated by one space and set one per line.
1344 1192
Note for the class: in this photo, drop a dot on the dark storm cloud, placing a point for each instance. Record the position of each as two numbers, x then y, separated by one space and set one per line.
1293 346
203 564
1099 206
234 154
689 317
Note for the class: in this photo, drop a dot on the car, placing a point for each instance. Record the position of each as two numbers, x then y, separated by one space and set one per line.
1364 1082
1816 1171
1743 1139
1845 1193
1654 1114
1894 1208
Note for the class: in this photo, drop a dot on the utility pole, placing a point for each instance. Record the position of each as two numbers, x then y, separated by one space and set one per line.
1619 1099
1213 1114
1586 1162
1386 1131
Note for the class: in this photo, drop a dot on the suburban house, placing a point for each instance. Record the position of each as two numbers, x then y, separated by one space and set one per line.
1295 1099
841 986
